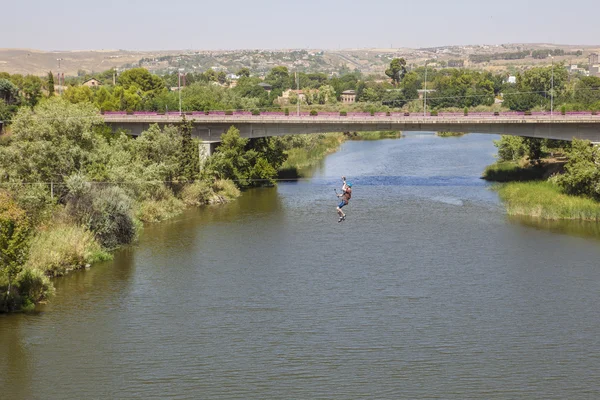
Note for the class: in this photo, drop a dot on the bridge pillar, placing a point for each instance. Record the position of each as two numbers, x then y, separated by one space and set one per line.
205 150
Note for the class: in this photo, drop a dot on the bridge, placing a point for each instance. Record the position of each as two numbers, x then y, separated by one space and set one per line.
209 127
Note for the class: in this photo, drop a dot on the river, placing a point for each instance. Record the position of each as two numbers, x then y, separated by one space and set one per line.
427 290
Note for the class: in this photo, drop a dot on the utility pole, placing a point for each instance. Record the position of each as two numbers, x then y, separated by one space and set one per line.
552 90
179 80
59 84
425 93
297 93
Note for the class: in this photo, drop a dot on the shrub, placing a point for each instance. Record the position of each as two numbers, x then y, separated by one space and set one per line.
496 113
372 113
206 112
343 113
225 189
286 111
129 112
62 248
433 113
313 112
197 194
563 109
387 113
255 112
406 114
34 286
111 219
466 111
228 112
527 112
159 210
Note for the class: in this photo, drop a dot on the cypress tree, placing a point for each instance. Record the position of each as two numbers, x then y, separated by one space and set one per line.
50 84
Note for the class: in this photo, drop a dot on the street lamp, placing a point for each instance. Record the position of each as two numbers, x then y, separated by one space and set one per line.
179 80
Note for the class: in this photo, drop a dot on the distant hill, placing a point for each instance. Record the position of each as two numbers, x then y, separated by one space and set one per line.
490 57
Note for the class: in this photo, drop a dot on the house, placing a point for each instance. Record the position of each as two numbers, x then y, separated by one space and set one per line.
348 96
92 83
284 99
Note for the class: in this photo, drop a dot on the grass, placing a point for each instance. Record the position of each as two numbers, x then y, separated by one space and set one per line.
158 210
302 158
543 199
62 248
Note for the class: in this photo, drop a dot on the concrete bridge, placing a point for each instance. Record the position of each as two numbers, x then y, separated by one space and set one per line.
208 128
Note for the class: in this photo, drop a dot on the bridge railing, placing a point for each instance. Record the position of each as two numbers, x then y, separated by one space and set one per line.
351 115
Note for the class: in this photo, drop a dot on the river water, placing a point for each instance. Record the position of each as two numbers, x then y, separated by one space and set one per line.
426 291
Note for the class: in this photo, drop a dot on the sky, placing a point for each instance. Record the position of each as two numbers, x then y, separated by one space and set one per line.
315 24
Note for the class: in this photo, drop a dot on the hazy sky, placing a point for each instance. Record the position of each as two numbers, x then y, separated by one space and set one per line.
331 24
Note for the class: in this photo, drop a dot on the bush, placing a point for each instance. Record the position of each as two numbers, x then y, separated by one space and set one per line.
466 111
228 112
111 219
372 113
433 113
313 112
406 114
527 112
34 286
129 112
62 248
159 210
286 111
343 113
563 109
387 113
206 112
197 194
225 189
255 112
496 113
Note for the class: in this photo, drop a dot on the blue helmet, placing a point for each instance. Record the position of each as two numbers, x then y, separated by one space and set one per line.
348 184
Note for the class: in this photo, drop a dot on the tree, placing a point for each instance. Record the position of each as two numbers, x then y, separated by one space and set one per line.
396 70
510 148
32 89
142 79
58 139
279 78
189 164
14 234
9 92
50 84
244 72
582 175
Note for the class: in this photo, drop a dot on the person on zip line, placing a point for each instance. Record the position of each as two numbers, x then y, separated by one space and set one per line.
344 198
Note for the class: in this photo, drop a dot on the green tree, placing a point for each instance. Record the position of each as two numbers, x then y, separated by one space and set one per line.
58 139
244 72
396 70
510 148
14 234
582 175
9 92
50 84
189 164
142 79
32 89
279 78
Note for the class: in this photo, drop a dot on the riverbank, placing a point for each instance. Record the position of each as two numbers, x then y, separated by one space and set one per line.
533 191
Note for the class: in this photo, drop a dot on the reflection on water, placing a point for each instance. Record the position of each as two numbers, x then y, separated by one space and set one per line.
568 227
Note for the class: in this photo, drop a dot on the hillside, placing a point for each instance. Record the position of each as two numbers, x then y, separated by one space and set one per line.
488 57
